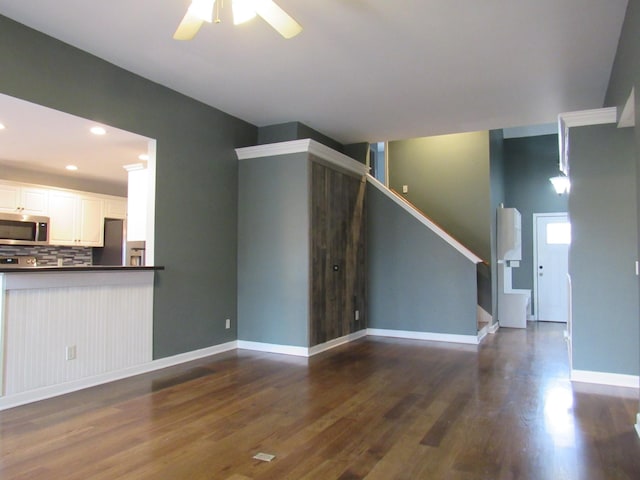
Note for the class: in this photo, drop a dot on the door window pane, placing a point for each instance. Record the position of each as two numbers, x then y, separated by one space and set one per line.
559 233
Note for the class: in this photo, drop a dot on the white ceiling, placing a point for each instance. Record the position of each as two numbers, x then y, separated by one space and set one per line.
46 140
362 70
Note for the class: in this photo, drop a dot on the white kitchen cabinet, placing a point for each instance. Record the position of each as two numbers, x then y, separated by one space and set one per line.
76 219
28 200
115 207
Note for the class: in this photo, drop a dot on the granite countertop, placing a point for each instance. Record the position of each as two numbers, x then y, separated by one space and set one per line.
79 268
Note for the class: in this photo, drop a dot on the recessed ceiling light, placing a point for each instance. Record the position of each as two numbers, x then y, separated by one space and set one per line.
98 130
71 168
143 156
2 127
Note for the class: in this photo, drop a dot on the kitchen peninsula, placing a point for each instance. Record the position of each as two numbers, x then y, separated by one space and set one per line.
64 328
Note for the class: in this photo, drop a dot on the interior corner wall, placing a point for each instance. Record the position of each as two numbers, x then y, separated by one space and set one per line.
357 151
603 213
285 132
529 164
497 184
416 281
448 179
625 73
196 175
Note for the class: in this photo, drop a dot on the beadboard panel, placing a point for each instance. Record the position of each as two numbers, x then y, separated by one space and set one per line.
110 327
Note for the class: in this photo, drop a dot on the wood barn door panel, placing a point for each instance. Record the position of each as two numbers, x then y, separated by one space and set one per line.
337 254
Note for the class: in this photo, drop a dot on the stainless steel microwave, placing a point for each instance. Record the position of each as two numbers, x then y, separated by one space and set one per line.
17 229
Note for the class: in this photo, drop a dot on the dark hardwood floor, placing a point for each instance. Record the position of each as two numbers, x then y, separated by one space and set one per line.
376 409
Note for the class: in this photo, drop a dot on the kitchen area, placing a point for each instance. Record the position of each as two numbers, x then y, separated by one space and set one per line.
76 252
42 226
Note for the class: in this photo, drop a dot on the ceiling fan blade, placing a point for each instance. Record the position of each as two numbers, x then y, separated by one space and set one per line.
199 11
280 20
188 27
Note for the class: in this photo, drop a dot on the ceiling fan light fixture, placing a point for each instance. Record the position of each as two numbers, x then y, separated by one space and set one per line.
202 9
243 11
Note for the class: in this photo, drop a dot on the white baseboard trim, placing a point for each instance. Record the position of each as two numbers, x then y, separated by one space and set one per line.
23 398
434 337
493 328
483 333
604 378
323 347
273 348
80 384
300 351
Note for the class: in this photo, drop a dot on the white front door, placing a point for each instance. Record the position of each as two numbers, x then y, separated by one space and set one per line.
551 265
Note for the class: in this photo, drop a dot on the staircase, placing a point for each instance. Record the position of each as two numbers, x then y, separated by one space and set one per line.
439 284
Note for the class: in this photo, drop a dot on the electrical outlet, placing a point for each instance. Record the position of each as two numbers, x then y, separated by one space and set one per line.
227 324
357 315
405 188
70 352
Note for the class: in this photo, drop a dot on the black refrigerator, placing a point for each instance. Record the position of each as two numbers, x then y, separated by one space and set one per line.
113 252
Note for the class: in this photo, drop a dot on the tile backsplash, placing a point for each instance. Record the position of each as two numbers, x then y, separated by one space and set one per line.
47 256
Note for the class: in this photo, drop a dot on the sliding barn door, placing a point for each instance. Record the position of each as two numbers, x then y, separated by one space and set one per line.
337 254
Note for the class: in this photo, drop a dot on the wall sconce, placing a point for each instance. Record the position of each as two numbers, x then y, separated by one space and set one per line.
561 184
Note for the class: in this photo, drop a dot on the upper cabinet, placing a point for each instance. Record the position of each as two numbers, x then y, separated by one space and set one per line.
115 207
76 218
27 200
509 234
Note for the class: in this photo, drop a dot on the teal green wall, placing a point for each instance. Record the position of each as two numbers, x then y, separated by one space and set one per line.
196 183
449 180
602 209
416 281
625 73
488 273
357 151
273 250
285 132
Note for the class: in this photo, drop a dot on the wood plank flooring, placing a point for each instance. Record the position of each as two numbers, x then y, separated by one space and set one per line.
376 409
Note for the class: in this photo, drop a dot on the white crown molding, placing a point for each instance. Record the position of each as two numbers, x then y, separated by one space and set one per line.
306 145
583 118
425 221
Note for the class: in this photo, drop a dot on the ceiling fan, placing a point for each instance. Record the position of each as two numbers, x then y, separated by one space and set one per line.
201 11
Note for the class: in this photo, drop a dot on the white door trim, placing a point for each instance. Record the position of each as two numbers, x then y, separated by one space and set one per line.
535 253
